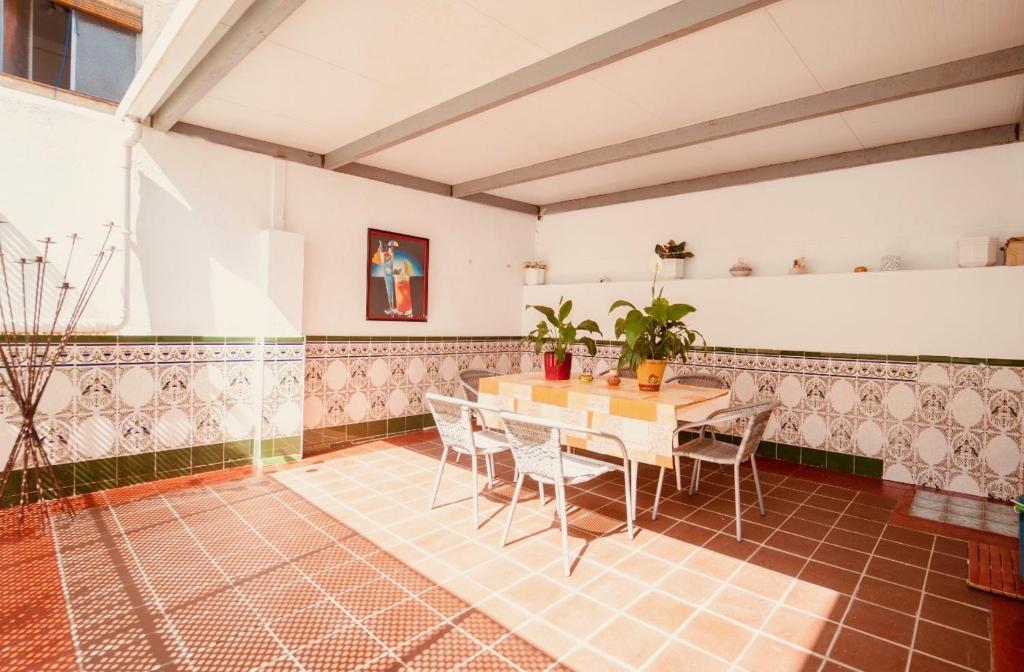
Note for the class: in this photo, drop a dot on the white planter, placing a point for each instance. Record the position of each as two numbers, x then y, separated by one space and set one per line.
673 268
534 276
977 251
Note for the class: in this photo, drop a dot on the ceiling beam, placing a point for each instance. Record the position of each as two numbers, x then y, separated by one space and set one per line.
664 25
258 21
997 135
1004 63
357 169
957 73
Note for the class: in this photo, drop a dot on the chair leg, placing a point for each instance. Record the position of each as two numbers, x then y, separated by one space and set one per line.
657 494
560 498
695 477
736 483
679 474
635 469
489 461
540 493
757 484
440 470
476 508
512 507
630 508
458 456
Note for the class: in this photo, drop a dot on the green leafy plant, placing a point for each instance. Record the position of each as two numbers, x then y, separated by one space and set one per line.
555 333
656 331
672 250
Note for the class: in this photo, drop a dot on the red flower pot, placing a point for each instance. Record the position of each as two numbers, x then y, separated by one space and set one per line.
555 371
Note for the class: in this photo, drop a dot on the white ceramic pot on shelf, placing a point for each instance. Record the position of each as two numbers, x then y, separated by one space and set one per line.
673 268
977 251
534 276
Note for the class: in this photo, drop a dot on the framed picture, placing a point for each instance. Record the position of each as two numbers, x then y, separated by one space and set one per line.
397 269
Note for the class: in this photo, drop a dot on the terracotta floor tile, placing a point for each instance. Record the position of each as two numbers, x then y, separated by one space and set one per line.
912 555
769 655
402 622
865 652
578 615
910 537
690 586
954 547
712 564
585 658
763 582
845 558
535 593
716 635
956 589
749 610
921 662
661 611
830 577
900 598
443 647
949 564
680 656
952 645
628 641
817 600
805 528
801 629
343 650
956 615
896 572
880 622
851 540
792 543
535 645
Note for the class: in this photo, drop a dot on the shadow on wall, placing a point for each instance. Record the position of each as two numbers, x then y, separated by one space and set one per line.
199 210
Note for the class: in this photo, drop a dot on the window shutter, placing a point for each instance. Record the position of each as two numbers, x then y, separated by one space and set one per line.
119 13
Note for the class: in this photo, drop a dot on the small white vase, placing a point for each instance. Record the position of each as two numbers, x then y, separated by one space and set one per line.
673 268
534 276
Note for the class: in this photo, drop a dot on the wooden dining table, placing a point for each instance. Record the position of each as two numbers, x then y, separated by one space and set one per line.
645 422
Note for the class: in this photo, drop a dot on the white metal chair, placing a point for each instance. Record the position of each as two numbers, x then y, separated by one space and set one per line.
707 449
537 449
454 420
697 380
470 381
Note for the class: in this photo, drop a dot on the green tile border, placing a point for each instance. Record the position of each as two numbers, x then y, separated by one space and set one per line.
87 476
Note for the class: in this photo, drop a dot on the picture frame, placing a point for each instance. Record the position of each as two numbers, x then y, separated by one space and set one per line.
397 276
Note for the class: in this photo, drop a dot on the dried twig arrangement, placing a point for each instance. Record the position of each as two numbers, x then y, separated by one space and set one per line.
30 349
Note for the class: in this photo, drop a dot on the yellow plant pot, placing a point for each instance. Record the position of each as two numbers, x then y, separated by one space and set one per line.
650 374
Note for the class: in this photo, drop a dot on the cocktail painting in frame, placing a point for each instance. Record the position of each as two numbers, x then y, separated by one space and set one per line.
397 267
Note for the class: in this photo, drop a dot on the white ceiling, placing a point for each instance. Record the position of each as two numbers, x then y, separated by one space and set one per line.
337 70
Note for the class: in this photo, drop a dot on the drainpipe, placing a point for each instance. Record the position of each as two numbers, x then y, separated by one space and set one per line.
132 135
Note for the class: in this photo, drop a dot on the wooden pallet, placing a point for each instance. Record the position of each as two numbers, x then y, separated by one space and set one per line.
994 569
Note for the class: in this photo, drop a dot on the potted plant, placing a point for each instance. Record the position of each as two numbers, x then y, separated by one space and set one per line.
673 257
555 334
534 272
653 335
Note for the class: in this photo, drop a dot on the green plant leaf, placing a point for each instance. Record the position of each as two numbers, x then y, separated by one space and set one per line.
546 312
588 325
590 345
621 303
564 310
678 311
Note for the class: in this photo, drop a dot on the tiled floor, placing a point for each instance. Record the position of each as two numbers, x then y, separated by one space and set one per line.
337 564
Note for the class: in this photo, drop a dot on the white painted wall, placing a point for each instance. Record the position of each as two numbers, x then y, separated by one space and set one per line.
956 312
476 254
917 209
200 212
837 220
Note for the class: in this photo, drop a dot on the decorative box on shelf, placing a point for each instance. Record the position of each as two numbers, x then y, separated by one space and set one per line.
534 276
976 251
673 268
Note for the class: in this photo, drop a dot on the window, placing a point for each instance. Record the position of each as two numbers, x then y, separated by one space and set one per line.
88 46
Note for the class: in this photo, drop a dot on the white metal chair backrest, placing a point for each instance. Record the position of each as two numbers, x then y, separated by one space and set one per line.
536 446
454 420
470 381
758 414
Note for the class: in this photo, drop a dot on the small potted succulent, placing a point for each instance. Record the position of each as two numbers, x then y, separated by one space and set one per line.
534 272
555 335
673 257
654 335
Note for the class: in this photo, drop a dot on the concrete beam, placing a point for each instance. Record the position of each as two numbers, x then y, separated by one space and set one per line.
997 135
995 65
664 25
258 21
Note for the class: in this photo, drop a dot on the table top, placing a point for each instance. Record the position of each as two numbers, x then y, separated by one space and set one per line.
626 400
